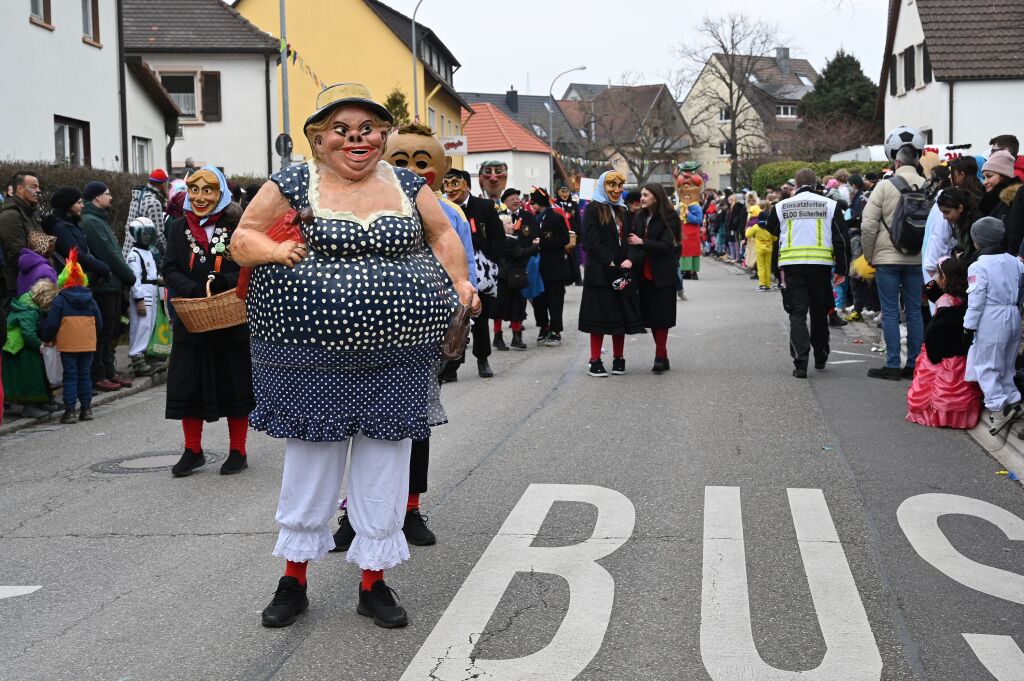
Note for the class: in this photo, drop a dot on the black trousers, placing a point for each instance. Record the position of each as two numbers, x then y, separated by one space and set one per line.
574 262
807 289
482 328
859 290
106 335
547 307
419 462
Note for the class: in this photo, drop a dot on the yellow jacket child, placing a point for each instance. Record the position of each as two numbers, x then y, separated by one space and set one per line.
763 239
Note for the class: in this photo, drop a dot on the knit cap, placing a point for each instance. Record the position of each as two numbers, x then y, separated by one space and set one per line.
1000 162
93 189
64 198
158 176
988 231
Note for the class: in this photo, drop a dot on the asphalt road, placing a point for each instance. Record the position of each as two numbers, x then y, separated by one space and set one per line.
722 521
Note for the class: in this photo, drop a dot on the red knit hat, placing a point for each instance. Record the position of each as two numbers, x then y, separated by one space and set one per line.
158 175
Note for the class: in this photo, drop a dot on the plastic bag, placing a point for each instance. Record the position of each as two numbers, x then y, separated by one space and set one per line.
54 368
160 340
535 287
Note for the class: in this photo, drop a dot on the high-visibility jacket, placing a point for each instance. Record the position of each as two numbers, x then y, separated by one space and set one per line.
805 222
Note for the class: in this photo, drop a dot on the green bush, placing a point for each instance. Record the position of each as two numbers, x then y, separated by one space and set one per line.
54 176
778 173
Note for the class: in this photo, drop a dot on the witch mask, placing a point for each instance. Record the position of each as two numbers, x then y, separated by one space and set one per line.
204 192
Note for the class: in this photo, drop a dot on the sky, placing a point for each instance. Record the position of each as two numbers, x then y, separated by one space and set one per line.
526 43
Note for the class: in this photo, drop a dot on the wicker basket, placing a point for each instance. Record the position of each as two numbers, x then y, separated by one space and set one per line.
211 313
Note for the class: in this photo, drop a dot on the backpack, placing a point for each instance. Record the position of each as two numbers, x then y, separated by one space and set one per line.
908 221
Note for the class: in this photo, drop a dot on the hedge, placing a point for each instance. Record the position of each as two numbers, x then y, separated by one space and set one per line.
54 176
778 173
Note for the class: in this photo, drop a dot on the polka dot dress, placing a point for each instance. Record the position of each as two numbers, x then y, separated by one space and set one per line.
347 341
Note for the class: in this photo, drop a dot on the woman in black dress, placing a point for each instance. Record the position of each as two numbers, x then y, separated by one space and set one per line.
209 375
656 270
610 304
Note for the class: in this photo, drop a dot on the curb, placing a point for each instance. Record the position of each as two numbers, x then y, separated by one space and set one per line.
99 399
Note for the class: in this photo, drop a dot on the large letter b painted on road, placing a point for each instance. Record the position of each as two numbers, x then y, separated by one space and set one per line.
446 652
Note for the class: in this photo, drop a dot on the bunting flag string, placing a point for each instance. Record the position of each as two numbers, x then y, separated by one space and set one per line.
296 59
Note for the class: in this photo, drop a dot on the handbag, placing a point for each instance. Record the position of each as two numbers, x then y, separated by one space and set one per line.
517 278
457 337
160 341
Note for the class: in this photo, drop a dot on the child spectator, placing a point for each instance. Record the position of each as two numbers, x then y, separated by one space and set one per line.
72 323
992 322
142 311
764 243
24 375
940 397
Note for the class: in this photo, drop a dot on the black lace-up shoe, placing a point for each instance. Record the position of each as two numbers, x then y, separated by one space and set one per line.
416 531
379 603
288 603
344 536
188 462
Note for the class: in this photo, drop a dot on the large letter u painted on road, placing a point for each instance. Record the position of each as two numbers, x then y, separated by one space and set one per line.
726 637
446 652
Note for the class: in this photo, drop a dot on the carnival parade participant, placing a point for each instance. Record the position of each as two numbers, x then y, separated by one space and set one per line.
209 374
691 216
567 203
555 269
346 341
144 293
658 248
493 179
609 305
525 229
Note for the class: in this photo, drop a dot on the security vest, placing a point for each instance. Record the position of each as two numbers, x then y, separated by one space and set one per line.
805 222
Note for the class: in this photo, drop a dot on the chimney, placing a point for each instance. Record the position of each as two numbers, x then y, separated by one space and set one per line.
782 59
512 100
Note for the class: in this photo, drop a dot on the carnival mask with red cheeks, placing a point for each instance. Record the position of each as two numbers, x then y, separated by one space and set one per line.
422 154
353 143
203 192
493 178
688 187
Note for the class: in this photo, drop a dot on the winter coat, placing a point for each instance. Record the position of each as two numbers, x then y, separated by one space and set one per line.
16 221
104 247
518 251
70 235
73 320
764 241
658 259
33 267
24 376
737 221
1001 206
944 336
877 219
554 237
605 246
147 202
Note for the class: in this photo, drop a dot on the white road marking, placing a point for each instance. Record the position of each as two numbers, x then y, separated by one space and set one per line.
446 652
849 361
726 638
12 591
919 518
1000 654
854 354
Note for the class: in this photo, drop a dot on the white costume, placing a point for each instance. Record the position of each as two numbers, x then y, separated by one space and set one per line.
992 293
140 328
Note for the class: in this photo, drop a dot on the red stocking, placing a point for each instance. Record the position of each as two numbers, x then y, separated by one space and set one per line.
296 570
238 427
660 343
193 429
618 346
596 341
371 577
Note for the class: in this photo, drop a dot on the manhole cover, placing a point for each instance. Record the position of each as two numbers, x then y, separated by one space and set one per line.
150 462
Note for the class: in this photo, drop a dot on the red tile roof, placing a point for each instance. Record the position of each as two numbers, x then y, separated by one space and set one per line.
490 129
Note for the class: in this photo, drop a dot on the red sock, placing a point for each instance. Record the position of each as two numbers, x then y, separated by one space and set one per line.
618 346
596 341
413 503
660 343
517 326
296 570
497 326
371 577
193 429
238 428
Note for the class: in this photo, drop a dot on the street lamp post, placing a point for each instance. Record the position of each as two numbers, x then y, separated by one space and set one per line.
415 57
551 125
285 157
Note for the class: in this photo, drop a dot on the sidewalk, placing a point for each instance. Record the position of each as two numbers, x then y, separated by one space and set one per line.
13 424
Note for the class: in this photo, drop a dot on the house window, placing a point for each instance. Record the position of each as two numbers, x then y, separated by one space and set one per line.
724 115
182 89
928 136
539 131
806 81
431 118
91 20
919 65
901 83
142 154
785 110
444 120
723 148
926 64
71 141
40 12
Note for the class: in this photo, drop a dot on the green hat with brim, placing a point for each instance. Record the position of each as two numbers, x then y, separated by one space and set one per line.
332 97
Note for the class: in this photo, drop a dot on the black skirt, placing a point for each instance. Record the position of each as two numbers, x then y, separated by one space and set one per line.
657 305
510 305
603 310
209 381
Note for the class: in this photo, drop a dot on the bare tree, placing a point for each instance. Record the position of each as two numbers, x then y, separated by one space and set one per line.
724 104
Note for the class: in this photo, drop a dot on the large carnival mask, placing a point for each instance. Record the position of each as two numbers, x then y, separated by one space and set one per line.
614 185
688 187
204 192
422 154
455 187
563 193
351 142
493 178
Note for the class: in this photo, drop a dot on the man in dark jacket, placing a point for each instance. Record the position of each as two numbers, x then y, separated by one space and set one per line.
109 294
488 241
17 219
67 213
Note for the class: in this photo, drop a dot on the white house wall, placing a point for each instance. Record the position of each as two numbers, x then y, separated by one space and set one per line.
50 73
976 117
925 107
238 143
525 169
147 121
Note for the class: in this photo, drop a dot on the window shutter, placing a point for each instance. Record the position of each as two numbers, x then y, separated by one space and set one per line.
211 96
908 68
892 74
927 65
